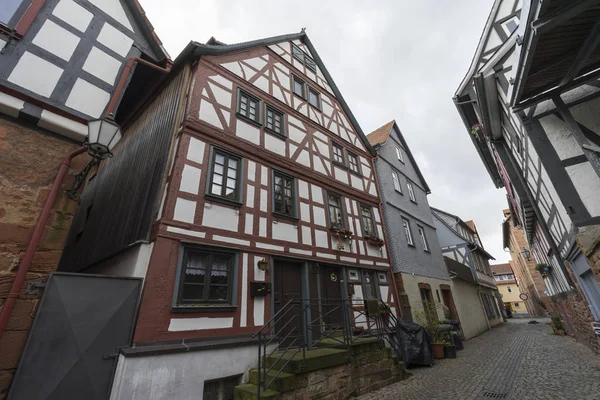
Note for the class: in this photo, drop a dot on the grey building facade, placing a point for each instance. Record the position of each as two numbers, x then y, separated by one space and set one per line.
416 255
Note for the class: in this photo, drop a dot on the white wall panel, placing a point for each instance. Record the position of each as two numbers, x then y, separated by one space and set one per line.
87 98
35 74
73 14
112 38
56 40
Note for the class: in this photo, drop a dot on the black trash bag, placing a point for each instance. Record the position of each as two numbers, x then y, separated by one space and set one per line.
415 343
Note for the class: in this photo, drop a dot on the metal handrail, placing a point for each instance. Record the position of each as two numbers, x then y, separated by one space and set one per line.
268 323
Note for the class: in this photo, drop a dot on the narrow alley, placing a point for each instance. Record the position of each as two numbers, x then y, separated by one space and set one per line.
515 360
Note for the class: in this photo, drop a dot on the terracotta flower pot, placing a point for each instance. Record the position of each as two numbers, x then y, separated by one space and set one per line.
437 350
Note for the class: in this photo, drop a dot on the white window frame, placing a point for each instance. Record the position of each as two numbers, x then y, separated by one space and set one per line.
399 154
411 192
407 232
421 231
396 182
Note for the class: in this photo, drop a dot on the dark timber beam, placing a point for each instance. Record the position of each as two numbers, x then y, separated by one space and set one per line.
590 150
586 50
562 15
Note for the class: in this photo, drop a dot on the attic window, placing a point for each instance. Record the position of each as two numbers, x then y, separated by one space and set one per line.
303 58
510 25
12 11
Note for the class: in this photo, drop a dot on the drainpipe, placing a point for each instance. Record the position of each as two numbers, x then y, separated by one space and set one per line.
35 239
112 105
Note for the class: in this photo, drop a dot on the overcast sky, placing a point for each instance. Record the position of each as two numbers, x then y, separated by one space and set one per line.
398 60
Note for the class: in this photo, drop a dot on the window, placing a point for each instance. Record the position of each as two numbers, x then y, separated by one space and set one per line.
274 120
517 305
314 98
284 195
382 277
353 275
353 163
411 192
206 278
337 153
367 221
10 11
225 176
298 86
303 58
396 182
399 154
221 389
369 292
423 238
509 289
406 226
336 211
248 106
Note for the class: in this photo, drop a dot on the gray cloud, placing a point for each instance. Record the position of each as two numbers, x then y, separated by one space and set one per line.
391 60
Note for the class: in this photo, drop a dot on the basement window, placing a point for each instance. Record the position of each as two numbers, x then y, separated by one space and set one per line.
221 389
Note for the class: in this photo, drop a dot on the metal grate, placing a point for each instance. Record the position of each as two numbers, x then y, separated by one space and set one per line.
494 395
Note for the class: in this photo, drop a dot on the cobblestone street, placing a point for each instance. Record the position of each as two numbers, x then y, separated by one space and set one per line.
512 361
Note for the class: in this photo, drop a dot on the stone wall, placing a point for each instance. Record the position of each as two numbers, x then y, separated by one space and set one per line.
370 368
577 319
29 161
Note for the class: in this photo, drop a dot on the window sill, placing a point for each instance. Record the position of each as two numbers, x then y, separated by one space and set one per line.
411 245
284 216
216 199
339 164
315 107
300 96
249 120
279 135
397 191
412 201
199 309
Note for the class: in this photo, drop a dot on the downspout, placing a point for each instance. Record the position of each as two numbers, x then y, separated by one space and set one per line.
112 105
35 239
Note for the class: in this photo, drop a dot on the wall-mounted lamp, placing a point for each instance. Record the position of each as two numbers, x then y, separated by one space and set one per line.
262 264
102 136
526 253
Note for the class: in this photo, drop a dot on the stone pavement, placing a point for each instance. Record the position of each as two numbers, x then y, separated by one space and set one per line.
514 360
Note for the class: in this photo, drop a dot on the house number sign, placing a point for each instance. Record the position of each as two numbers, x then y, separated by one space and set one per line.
333 277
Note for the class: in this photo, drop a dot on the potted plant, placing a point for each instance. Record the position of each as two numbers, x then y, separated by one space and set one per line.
543 269
428 318
557 326
449 350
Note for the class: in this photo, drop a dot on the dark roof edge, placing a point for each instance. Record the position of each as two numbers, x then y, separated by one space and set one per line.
148 29
437 210
339 96
412 159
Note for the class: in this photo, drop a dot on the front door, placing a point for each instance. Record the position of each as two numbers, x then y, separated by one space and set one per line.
287 286
331 297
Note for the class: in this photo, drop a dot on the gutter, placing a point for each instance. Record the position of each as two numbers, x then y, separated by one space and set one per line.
21 274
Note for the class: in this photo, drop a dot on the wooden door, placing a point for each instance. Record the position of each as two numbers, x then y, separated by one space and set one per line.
331 297
288 286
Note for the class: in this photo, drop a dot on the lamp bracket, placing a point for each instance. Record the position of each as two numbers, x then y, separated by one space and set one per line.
80 178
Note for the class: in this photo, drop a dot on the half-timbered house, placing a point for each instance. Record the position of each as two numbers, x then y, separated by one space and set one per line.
244 184
62 63
529 102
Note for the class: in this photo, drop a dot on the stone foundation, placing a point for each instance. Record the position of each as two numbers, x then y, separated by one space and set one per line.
29 161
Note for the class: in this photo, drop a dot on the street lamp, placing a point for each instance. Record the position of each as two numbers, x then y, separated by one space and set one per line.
526 253
103 135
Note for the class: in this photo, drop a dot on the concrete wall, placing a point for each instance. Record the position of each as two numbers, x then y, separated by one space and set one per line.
178 376
411 287
470 309
29 161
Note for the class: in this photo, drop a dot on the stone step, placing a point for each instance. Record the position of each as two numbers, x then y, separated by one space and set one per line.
359 345
249 391
284 382
316 359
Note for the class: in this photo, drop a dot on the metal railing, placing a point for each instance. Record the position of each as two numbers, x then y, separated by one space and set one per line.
302 324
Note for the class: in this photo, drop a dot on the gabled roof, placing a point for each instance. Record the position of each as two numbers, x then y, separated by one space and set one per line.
501 269
437 211
140 16
380 136
214 47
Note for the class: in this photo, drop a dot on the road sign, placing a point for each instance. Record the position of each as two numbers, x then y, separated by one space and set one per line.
523 296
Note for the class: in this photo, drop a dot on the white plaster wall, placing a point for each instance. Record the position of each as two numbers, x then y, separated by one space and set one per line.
132 262
560 136
178 376
411 287
587 113
73 14
587 184
216 216
470 310
283 231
